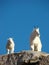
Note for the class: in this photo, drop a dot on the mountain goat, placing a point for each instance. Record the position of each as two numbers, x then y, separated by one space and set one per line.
35 42
10 46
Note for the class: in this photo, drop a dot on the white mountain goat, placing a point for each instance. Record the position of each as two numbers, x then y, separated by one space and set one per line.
10 46
35 42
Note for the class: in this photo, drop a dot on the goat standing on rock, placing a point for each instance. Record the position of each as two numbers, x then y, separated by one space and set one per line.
35 42
10 46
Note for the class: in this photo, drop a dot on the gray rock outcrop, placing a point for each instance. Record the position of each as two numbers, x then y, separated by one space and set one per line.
25 58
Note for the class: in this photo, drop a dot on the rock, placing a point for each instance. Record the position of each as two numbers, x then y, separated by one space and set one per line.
25 58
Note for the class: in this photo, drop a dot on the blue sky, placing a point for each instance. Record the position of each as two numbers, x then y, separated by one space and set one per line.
17 19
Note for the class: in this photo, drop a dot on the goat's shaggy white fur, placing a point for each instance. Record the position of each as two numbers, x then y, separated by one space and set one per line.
10 46
35 42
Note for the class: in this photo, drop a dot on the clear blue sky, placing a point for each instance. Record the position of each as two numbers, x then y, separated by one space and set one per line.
17 19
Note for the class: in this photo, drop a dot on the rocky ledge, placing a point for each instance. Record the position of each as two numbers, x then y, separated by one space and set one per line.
25 58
